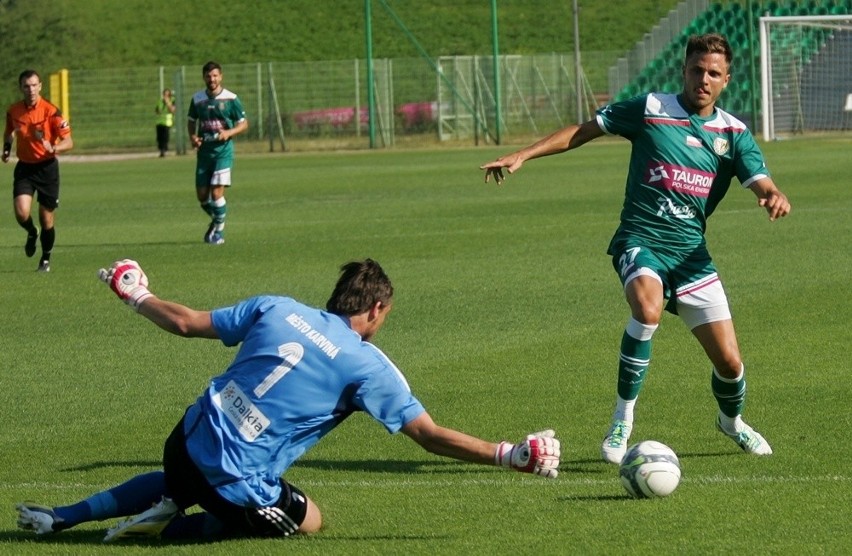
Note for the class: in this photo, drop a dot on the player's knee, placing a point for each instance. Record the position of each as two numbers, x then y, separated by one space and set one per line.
313 519
729 367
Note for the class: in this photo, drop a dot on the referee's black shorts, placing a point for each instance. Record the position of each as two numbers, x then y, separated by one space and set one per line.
42 177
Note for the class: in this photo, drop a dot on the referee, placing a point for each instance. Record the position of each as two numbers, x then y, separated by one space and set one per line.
42 133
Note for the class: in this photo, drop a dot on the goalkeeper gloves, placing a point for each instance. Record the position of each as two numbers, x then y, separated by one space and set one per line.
538 453
128 281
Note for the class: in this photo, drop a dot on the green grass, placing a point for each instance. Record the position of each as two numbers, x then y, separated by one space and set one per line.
507 320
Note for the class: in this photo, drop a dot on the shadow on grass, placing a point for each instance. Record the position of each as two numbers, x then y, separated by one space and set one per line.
63 538
595 498
385 466
72 538
104 464
593 466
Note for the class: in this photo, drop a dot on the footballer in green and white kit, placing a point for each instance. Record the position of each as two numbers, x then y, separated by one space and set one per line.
685 153
215 116
680 168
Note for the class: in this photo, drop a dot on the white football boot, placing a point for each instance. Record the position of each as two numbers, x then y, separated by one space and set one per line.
751 441
148 524
615 442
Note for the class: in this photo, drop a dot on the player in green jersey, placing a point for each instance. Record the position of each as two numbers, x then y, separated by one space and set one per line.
215 116
685 153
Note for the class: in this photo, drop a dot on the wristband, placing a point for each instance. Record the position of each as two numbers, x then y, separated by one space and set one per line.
503 455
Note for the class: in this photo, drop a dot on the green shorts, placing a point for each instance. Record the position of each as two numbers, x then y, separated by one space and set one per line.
690 282
213 172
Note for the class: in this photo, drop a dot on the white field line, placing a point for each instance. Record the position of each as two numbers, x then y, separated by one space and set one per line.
525 483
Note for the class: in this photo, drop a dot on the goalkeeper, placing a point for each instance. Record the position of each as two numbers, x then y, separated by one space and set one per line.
299 373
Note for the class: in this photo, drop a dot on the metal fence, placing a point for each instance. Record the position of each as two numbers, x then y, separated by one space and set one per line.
293 103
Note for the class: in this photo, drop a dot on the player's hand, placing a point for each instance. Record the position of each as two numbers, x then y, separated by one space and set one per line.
129 282
48 146
510 162
538 453
776 205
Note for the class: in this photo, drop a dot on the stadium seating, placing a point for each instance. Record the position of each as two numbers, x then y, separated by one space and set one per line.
731 19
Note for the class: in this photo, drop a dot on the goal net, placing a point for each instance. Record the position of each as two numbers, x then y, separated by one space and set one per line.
806 75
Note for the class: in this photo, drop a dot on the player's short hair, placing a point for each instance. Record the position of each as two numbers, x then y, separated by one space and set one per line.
360 286
709 43
26 74
210 66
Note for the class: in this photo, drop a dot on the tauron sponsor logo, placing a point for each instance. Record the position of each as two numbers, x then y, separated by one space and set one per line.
241 412
678 179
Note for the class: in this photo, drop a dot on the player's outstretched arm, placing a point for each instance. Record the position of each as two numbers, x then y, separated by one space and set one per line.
770 198
130 283
559 141
538 453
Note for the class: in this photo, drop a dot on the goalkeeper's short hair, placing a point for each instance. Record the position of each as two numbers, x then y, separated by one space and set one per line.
360 286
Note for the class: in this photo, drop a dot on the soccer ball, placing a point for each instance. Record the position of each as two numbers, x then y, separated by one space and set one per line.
650 469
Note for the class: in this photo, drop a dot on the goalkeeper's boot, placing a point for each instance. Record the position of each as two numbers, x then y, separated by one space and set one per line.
37 518
615 443
148 524
751 441
30 245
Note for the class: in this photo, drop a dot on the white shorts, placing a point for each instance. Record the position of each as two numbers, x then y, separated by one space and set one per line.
697 303
221 177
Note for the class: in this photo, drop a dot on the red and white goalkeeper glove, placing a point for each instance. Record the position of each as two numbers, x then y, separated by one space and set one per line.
538 453
128 281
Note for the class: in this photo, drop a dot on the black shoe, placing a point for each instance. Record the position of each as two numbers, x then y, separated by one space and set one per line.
30 246
43 266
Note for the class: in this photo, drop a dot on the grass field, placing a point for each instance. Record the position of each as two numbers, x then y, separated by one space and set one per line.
507 320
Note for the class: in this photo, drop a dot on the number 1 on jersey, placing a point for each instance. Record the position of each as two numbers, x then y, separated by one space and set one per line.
292 353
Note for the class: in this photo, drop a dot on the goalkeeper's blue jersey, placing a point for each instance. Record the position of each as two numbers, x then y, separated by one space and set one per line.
681 166
299 373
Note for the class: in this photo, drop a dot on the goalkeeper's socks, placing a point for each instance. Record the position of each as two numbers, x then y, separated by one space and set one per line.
129 498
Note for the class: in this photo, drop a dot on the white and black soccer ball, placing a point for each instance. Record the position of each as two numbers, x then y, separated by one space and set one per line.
650 469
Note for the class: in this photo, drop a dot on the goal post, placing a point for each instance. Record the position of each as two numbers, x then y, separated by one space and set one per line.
806 74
